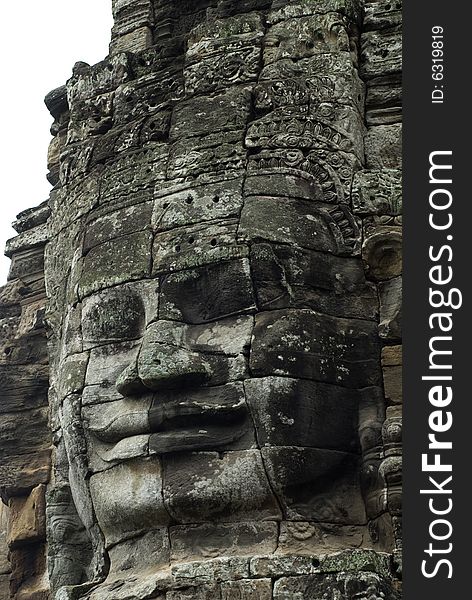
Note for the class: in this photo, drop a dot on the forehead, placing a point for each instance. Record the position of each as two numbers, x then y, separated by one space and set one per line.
191 226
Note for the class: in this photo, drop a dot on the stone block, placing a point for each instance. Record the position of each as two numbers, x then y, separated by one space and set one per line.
123 259
288 277
304 344
294 412
196 246
204 487
136 483
185 205
222 539
316 485
390 292
377 192
383 147
381 52
392 358
207 293
300 223
27 522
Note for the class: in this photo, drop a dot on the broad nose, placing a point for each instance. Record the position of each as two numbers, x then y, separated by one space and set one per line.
161 365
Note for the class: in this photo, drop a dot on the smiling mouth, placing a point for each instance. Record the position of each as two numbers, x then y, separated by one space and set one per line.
208 419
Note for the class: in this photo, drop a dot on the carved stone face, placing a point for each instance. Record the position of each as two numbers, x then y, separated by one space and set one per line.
218 366
228 386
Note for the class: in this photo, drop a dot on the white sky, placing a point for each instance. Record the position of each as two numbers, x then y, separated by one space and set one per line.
39 43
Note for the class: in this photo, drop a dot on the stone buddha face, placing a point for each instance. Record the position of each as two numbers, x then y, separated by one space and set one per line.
225 389
218 363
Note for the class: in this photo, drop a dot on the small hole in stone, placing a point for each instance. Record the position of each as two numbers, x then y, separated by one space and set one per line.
129 99
110 67
165 205
152 125
191 240
177 248
315 562
384 53
7 351
310 44
189 200
142 62
388 7
213 242
216 199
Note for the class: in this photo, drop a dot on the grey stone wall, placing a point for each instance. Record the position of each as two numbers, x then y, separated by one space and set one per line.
222 267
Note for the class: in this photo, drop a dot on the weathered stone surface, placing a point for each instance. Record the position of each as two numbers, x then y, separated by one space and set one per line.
108 362
23 387
286 277
69 547
390 327
309 538
148 550
224 289
293 412
231 590
124 259
138 483
224 112
185 205
5 567
346 587
381 52
203 487
218 267
150 96
305 37
27 240
225 539
129 220
224 52
73 369
195 246
305 344
383 147
113 316
382 253
313 484
336 128
300 223
392 357
19 473
215 570
27 518
377 192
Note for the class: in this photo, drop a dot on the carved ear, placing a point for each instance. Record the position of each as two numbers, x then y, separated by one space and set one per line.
69 545
74 556
78 484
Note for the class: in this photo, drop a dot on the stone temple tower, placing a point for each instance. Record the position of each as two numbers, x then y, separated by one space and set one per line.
200 343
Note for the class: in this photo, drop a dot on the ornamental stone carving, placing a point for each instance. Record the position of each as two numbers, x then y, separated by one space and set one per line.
221 304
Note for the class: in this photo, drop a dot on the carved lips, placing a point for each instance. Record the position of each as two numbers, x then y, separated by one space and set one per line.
204 419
